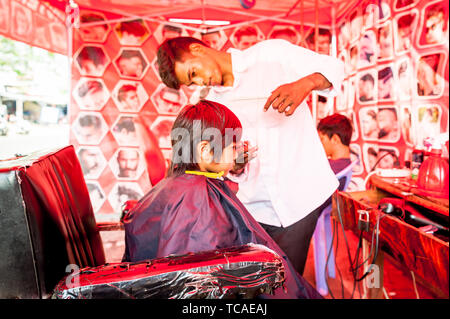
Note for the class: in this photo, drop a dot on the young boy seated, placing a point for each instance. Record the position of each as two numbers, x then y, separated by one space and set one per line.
335 132
193 209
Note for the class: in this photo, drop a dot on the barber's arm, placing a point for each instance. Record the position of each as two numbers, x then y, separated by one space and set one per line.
287 97
315 71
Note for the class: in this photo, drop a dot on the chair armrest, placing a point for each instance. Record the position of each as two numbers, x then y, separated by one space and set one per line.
243 271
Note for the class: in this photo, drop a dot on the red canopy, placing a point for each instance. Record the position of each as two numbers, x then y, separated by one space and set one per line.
42 23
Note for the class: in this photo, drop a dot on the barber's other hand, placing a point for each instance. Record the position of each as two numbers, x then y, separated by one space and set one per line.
287 97
245 154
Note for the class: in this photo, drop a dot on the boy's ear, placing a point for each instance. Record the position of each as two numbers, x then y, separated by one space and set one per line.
336 139
204 152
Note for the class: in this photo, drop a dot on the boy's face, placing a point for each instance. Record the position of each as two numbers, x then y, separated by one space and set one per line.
200 69
226 161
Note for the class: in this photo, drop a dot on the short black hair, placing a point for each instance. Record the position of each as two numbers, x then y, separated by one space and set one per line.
208 115
337 124
169 52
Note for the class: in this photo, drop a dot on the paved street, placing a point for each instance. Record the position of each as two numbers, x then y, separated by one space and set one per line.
40 137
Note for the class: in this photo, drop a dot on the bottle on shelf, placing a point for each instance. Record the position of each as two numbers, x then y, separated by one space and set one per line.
416 161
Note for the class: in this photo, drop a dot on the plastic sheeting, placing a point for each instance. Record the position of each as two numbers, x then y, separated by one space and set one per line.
238 272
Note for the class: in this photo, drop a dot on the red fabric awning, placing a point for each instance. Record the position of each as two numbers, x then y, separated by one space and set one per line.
41 23
35 23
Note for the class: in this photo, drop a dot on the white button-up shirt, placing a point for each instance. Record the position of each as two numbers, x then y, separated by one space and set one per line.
291 175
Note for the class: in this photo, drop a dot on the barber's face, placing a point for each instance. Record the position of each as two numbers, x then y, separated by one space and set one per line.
199 69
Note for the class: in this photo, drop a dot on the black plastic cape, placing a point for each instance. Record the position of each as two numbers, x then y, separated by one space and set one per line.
192 213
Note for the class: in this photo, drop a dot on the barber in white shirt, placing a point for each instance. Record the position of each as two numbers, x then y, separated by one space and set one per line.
265 85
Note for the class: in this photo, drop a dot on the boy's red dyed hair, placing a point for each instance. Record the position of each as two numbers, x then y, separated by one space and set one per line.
209 115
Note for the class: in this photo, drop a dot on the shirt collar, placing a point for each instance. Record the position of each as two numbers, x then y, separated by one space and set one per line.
238 66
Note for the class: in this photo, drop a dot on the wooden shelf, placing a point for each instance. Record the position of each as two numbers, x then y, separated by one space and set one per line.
424 254
407 189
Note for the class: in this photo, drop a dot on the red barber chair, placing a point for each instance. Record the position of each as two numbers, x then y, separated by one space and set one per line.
47 226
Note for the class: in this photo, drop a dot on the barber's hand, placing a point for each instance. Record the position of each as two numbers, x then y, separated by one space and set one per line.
287 97
245 154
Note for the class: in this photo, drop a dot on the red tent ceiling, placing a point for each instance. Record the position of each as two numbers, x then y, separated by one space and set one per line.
41 22
214 10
